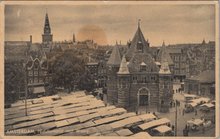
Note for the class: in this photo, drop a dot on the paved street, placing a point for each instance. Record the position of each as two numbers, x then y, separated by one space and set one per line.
182 120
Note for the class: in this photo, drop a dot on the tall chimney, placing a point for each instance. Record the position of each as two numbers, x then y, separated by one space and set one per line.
74 38
30 38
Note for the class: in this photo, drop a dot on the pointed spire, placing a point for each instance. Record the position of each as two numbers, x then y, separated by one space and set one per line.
139 22
115 57
164 56
123 67
47 29
164 69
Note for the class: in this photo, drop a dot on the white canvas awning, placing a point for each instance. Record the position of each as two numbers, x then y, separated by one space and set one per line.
163 129
38 90
193 104
209 105
195 121
158 122
142 135
147 117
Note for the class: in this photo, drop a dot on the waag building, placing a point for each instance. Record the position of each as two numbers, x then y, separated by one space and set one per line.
136 80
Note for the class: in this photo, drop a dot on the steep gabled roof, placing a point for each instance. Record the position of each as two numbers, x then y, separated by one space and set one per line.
123 67
138 38
115 57
138 58
164 56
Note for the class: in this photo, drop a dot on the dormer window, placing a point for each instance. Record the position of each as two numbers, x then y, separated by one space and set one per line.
143 67
140 46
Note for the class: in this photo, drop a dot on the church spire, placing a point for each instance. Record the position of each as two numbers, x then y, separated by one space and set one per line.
47 37
47 29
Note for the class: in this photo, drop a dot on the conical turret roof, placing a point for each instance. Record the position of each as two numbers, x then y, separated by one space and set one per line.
164 69
164 56
123 67
115 57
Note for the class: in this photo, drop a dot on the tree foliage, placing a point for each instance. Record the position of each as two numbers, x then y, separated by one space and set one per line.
87 82
14 80
66 69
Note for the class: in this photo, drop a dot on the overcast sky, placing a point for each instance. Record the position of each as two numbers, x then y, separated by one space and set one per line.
108 23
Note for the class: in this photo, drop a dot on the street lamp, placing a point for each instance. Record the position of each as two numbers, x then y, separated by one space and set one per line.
26 88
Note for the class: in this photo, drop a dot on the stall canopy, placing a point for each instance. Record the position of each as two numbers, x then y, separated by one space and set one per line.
142 135
38 90
195 122
209 105
193 104
154 123
163 129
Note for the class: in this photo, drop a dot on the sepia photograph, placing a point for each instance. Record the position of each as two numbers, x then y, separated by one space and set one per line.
122 69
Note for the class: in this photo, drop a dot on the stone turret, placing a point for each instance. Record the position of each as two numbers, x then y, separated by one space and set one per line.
113 65
123 84
165 86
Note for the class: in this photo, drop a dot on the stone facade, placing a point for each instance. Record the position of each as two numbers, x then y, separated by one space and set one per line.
138 80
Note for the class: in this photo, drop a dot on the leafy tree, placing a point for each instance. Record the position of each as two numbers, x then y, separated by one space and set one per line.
66 69
87 82
14 81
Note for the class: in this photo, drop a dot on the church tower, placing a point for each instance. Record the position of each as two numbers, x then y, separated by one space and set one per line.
113 65
123 84
47 37
165 85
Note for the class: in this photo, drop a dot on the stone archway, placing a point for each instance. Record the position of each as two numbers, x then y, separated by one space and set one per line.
143 98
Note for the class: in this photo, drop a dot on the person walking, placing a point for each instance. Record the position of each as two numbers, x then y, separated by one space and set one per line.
195 112
203 129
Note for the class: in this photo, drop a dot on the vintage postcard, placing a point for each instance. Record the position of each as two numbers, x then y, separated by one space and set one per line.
110 69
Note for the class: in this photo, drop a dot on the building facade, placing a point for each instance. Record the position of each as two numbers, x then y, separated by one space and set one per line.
36 71
202 84
135 79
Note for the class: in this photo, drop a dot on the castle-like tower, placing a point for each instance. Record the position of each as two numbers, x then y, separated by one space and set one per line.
47 37
138 81
112 69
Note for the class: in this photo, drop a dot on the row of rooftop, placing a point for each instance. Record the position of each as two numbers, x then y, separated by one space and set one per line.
78 114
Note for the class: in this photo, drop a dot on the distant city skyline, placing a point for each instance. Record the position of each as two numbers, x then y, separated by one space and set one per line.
105 24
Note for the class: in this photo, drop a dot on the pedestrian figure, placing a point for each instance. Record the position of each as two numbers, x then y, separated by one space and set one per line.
184 132
173 127
186 127
195 112
187 132
171 104
183 111
203 129
168 124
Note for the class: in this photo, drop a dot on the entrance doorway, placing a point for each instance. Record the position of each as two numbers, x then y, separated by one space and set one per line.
143 99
